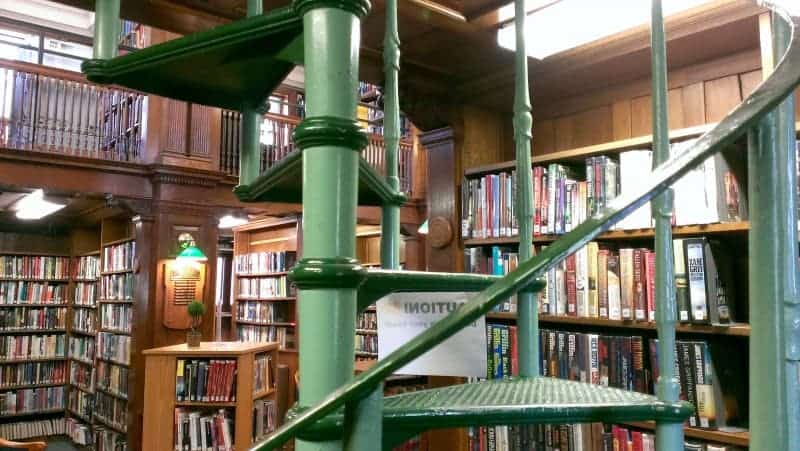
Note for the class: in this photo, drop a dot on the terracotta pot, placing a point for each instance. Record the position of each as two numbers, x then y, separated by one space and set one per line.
193 339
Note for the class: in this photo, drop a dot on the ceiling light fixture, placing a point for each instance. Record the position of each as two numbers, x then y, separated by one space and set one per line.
572 23
33 206
229 221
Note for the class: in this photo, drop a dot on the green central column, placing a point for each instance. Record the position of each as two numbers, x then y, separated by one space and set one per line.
669 436
106 28
330 138
523 121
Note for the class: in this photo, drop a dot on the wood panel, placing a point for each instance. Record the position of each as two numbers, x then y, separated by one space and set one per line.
200 144
544 136
621 120
487 136
641 116
721 96
175 130
749 81
675 108
694 104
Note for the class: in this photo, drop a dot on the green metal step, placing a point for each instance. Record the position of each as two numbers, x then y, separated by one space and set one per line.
381 282
535 400
284 183
234 66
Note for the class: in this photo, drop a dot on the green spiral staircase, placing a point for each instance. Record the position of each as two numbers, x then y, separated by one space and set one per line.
237 66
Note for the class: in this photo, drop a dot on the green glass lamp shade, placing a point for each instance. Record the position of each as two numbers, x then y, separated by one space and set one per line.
192 253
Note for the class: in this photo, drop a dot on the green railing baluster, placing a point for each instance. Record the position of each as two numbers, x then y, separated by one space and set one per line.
773 273
330 139
527 308
250 150
106 29
368 413
669 436
787 179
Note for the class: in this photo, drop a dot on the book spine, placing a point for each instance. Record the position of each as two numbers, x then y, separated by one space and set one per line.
650 276
602 282
614 288
626 283
681 283
639 289
695 273
571 286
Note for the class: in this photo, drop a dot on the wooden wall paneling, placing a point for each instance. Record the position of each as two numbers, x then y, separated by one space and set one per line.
592 126
621 120
84 240
544 136
693 104
485 137
675 111
43 244
641 116
174 127
144 231
749 81
721 96
565 133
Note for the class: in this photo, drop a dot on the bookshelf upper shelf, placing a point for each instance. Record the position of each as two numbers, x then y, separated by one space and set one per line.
580 153
678 231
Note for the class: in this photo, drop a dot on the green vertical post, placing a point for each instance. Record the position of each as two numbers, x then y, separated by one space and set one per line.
527 309
787 178
106 28
773 273
669 436
250 150
330 139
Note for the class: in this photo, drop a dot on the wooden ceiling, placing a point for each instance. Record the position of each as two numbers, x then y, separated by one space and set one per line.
450 55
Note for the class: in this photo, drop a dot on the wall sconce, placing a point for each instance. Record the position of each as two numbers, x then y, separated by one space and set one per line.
189 250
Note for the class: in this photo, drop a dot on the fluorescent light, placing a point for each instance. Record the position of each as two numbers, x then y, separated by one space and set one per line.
33 206
228 221
572 23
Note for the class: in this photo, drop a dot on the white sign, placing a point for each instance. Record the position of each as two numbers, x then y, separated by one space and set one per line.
403 316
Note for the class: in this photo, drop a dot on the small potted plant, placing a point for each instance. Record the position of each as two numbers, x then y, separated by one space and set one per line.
196 310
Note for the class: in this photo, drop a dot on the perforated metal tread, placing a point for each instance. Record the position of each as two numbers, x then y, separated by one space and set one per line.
512 401
284 183
232 66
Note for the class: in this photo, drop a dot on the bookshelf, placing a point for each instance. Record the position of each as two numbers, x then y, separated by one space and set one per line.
731 233
254 381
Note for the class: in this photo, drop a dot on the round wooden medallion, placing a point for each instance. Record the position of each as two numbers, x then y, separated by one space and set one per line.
440 232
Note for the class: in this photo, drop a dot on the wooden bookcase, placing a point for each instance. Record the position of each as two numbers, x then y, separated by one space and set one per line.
160 399
735 234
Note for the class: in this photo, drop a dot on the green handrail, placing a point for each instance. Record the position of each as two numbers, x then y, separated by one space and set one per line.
761 102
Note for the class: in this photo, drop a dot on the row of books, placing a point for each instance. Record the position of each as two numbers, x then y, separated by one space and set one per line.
22 318
114 347
366 343
31 400
81 375
263 372
264 312
20 292
117 287
206 380
283 335
564 196
81 403
19 347
85 294
81 348
132 35
106 439
573 437
117 317
264 418
367 320
79 432
84 320
265 262
603 281
197 430
23 430
112 378
626 362
87 268
265 287
29 373
34 267
111 410
119 257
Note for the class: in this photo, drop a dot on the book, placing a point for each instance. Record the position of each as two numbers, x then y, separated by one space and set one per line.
694 249
681 280
614 287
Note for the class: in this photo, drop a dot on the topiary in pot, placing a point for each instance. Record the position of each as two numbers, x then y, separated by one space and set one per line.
196 310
